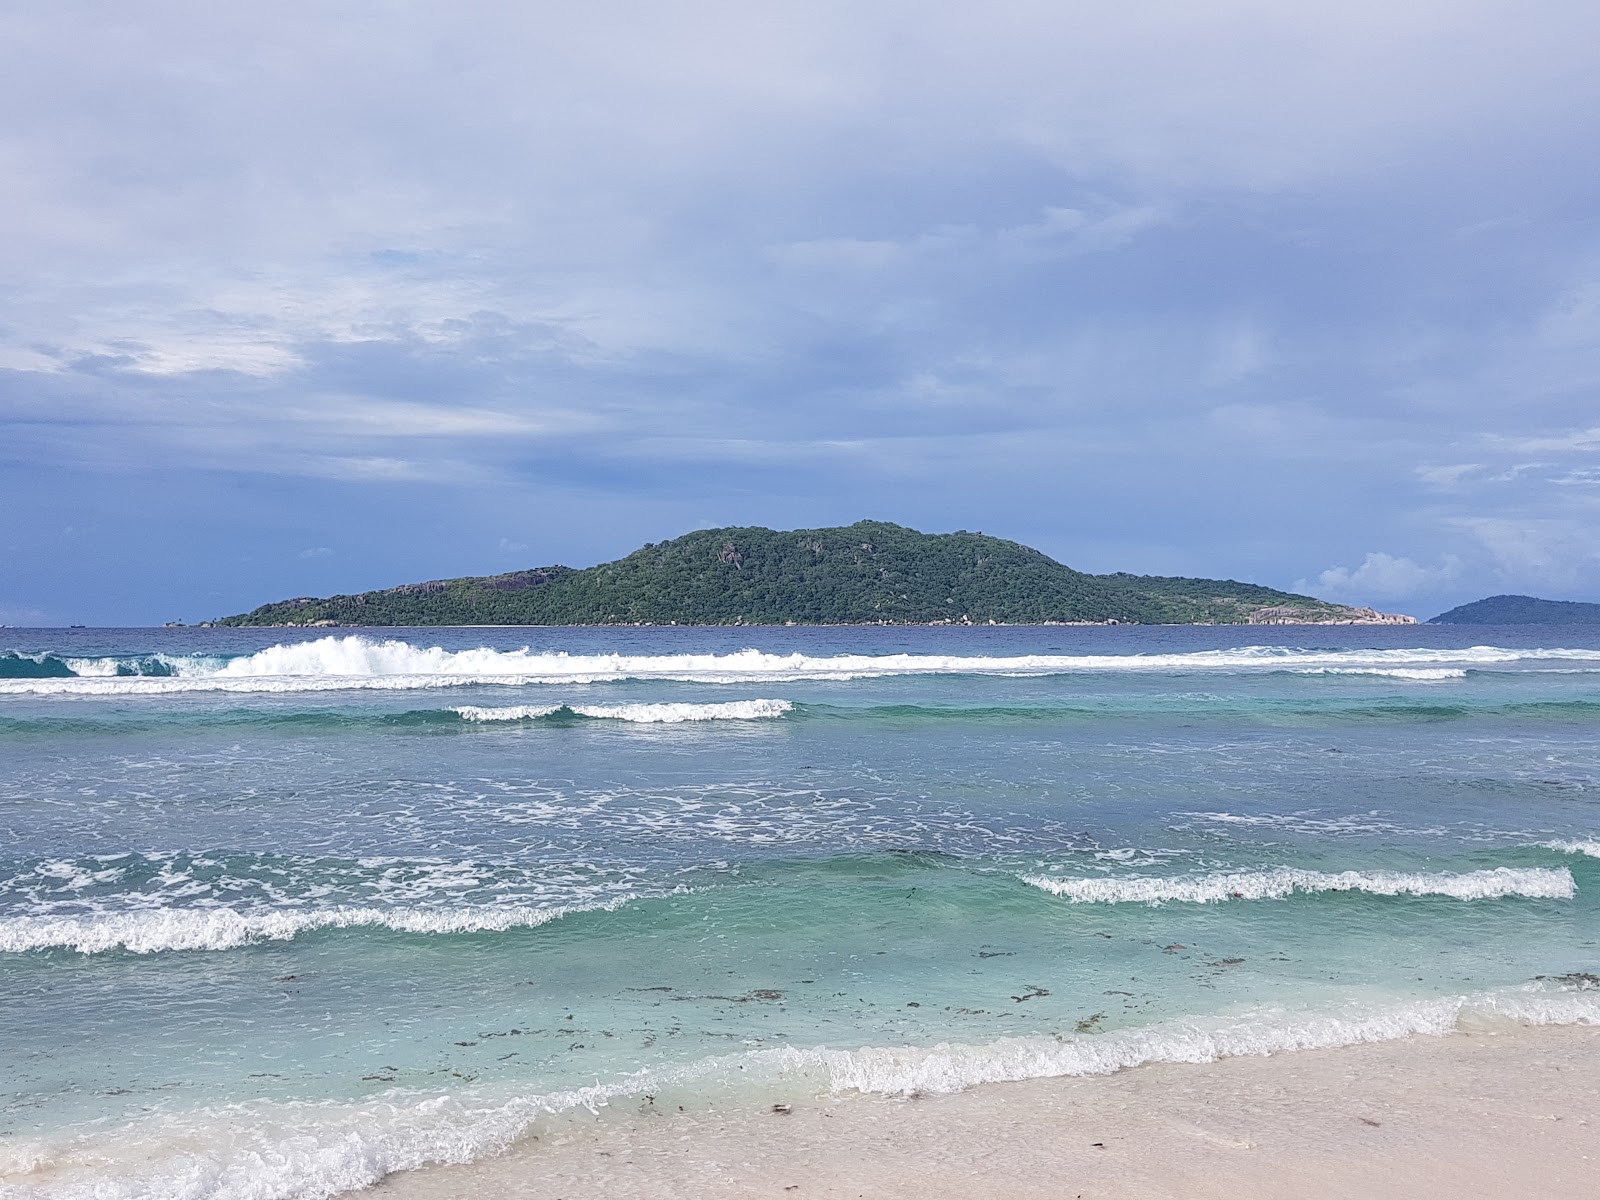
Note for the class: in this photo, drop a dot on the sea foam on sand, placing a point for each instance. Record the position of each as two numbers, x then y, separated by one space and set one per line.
1511 1113
314 1150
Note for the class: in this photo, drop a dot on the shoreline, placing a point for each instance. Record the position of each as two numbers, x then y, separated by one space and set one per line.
1500 1110
1408 623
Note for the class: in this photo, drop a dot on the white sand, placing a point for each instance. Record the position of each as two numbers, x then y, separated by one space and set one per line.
1513 1112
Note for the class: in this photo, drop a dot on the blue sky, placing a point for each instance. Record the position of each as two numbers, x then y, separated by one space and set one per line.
304 298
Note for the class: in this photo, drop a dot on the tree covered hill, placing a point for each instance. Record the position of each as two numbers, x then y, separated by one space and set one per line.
867 573
1520 610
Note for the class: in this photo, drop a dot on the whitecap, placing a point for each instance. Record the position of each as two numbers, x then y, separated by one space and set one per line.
1414 674
648 714
150 930
355 661
1275 884
1587 847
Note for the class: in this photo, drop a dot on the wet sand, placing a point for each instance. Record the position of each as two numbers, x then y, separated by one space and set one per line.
1504 1112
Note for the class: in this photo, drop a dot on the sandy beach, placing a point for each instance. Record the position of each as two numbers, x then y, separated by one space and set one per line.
1502 1112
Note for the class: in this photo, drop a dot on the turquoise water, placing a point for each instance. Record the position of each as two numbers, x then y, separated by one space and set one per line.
282 911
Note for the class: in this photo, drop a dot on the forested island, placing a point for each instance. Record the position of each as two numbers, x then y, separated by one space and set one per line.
872 572
1520 610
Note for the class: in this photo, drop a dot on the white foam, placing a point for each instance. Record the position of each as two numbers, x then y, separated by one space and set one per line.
1415 674
1305 822
1586 847
314 1150
511 712
951 1068
92 667
1533 882
333 663
147 931
648 714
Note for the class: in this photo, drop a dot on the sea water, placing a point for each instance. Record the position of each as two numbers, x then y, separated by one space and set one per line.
283 911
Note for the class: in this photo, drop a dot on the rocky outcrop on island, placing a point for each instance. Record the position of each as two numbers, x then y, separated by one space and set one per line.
1281 615
872 572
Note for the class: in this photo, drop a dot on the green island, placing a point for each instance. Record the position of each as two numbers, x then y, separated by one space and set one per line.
869 573
1520 610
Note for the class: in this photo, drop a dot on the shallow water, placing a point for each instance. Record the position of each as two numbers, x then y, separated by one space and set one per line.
283 911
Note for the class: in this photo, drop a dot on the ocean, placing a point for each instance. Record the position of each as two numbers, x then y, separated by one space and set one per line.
285 911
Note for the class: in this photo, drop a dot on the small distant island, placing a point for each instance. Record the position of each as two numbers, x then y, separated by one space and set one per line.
1520 610
869 573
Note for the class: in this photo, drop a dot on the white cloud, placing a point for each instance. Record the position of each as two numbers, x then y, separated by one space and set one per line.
315 552
17 615
387 418
1058 232
1382 577
357 468
1102 228
1529 553
1170 261
1574 320
1575 441
1447 477
1579 477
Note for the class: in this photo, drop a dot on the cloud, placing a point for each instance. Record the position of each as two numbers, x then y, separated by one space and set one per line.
1382 577
1533 552
1447 477
1576 441
1056 232
1197 287
21 615
393 419
315 552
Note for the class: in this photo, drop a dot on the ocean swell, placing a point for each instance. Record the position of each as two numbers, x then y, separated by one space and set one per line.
1588 847
1413 674
1540 883
643 714
335 663
148 931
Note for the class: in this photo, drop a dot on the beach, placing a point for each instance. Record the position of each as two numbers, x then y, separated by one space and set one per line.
718 600
1509 1111
286 915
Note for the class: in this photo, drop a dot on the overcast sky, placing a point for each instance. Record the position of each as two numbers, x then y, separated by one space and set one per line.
303 298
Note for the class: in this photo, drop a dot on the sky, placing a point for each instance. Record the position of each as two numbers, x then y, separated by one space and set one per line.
300 298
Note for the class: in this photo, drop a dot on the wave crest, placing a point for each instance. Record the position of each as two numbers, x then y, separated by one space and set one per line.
1415 674
354 661
1540 883
148 931
1587 847
645 714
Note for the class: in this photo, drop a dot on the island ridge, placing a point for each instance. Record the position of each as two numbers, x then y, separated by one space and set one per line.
869 573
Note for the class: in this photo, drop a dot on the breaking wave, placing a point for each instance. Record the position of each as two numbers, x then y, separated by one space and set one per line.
335 663
645 714
1416 674
1539 883
131 719
148 931
14 665
312 1150
1587 847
